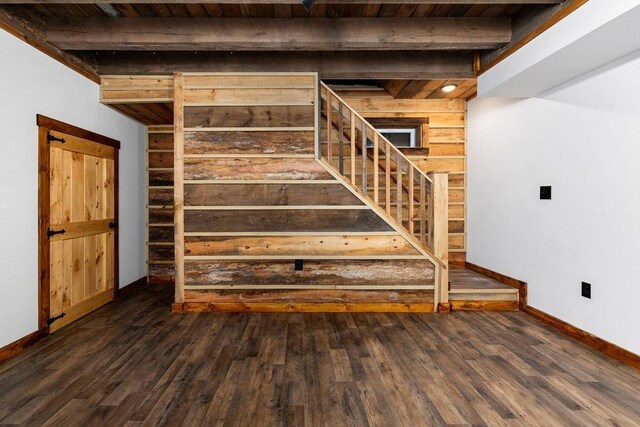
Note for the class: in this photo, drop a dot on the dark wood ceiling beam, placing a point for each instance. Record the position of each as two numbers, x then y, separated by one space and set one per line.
331 65
26 25
288 2
292 34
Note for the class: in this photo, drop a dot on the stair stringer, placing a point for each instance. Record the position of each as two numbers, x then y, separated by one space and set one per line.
366 200
383 215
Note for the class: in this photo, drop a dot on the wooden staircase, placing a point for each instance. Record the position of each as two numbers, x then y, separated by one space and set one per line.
412 202
281 205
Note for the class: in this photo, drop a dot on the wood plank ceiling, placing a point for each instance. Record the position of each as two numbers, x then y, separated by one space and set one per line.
399 48
338 9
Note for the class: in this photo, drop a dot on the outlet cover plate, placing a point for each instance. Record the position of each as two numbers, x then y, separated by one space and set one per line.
545 192
586 290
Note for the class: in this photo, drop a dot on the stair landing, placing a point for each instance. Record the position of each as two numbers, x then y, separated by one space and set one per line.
469 290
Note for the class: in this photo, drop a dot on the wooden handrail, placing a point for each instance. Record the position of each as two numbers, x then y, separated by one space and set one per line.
356 114
334 111
355 144
421 196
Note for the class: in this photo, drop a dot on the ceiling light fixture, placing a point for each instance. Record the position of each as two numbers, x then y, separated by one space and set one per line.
449 88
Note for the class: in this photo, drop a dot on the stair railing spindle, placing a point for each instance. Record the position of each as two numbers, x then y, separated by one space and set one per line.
329 127
423 209
376 171
364 158
387 177
341 140
430 216
352 157
399 189
411 201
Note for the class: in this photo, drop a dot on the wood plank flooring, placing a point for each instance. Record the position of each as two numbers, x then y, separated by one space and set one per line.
133 362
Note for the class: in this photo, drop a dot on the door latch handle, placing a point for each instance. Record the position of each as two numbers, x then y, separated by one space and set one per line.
51 233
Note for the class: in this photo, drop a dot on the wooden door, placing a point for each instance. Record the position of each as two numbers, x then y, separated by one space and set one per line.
78 222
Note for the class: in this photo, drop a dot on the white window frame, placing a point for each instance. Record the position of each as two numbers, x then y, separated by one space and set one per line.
411 131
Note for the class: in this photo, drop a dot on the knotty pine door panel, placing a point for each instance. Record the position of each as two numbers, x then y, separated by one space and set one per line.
82 204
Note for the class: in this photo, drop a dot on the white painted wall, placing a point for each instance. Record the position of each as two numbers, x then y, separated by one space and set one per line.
584 140
32 83
597 33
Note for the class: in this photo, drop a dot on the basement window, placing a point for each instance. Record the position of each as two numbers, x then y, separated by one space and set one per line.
403 132
400 137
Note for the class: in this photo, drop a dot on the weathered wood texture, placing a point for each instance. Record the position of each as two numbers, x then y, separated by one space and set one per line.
447 152
253 169
286 34
330 64
159 198
466 368
121 89
162 233
310 296
248 97
328 244
250 12
162 160
160 215
248 142
325 220
161 252
266 195
178 187
327 273
161 178
160 141
262 186
162 273
257 116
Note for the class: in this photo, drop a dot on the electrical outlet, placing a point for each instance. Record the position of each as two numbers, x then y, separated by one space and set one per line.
545 192
586 290
298 265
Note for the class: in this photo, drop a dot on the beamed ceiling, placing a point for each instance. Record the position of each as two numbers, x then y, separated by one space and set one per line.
403 49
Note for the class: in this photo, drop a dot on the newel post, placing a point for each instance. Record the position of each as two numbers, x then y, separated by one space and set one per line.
439 231
178 179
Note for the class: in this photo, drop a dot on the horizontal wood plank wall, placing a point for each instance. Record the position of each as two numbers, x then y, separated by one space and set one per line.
447 150
256 200
133 89
160 247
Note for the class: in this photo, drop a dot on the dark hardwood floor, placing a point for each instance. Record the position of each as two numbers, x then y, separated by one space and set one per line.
133 362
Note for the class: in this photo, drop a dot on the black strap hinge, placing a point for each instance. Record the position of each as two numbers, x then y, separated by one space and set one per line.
112 225
51 233
52 138
53 319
